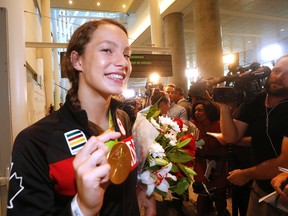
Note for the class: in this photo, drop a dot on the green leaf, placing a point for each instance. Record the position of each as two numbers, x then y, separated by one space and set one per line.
190 170
179 156
174 168
181 187
161 193
153 111
160 162
183 143
184 171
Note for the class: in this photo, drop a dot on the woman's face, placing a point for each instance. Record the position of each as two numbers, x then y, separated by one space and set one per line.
163 107
200 113
105 66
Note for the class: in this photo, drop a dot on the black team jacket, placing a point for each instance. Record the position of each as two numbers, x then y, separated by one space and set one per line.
42 180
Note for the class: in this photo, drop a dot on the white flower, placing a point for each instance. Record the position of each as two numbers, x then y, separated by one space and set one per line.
155 124
172 137
185 128
166 121
157 179
156 150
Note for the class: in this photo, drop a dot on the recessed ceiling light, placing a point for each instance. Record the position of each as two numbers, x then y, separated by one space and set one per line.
123 6
70 2
282 29
98 4
248 41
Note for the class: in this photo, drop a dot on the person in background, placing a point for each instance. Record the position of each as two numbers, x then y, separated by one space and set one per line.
267 119
51 109
211 162
129 106
179 99
174 206
163 101
59 164
175 111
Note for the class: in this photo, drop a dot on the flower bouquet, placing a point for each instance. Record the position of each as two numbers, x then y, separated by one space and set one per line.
166 148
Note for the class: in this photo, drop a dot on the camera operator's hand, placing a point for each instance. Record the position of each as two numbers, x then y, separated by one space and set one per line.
238 177
279 183
92 173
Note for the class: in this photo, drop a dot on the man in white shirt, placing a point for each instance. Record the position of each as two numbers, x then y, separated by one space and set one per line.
175 111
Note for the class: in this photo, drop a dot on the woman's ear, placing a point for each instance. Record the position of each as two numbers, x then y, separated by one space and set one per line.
76 61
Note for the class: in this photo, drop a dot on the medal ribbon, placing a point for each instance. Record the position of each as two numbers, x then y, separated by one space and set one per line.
111 127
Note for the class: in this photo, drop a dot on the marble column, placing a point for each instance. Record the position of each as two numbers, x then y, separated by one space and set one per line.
208 38
174 39
47 54
155 20
56 74
15 67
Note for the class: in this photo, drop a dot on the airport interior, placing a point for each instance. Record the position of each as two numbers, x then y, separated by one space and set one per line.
175 41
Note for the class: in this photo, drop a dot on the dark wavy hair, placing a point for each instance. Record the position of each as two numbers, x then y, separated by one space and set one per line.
210 109
78 42
159 96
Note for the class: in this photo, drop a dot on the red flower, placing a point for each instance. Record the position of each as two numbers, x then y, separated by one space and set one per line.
179 175
179 122
191 146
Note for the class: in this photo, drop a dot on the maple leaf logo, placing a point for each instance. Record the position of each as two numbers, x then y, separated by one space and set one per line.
18 187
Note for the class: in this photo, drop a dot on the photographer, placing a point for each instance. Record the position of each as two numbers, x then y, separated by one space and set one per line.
267 118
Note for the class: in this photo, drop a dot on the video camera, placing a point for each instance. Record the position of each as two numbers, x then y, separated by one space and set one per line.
239 87
150 86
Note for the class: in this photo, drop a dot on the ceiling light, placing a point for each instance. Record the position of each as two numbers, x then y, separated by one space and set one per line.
282 29
271 52
129 93
98 4
154 78
229 58
123 6
70 2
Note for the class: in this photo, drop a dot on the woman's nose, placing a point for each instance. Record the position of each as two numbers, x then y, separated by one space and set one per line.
122 60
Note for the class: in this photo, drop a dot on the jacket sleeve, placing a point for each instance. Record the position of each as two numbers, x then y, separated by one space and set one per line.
31 191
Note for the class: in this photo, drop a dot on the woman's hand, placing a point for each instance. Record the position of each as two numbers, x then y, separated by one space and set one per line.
92 173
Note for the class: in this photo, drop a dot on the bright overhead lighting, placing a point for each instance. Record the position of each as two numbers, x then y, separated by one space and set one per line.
123 6
129 93
154 78
229 58
98 4
70 2
164 4
271 52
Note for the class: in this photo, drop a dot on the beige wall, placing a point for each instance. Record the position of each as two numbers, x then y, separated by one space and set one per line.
35 90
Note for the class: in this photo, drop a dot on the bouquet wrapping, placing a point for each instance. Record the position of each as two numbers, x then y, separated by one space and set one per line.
165 148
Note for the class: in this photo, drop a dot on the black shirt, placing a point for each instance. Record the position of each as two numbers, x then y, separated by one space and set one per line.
267 128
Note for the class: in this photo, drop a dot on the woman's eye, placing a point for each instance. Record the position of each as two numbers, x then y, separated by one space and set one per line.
126 56
107 50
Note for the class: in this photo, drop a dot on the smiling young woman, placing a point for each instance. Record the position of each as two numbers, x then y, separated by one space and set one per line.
59 164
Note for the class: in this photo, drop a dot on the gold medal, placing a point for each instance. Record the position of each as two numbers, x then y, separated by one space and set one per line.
120 161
